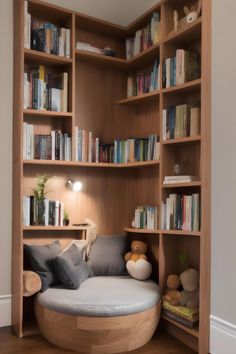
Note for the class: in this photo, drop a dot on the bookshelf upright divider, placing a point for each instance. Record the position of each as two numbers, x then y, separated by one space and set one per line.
98 102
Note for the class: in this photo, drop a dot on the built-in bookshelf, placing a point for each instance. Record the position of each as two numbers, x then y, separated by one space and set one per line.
97 98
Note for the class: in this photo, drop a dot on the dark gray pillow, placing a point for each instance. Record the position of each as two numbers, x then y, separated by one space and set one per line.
71 269
107 255
41 259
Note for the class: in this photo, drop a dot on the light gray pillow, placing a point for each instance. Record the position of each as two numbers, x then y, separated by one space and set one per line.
107 255
41 259
71 269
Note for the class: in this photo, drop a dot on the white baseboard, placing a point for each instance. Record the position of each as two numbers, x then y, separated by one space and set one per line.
5 310
223 336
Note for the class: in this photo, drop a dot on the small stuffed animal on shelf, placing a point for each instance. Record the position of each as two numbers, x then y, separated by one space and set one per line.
137 264
172 294
190 294
193 12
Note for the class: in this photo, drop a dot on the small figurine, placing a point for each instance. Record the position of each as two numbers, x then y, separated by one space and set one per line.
193 12
176 20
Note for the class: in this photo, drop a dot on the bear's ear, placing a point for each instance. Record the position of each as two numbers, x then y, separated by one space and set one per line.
186 10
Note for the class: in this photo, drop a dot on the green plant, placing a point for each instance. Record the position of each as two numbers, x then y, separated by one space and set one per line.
39 191
66 215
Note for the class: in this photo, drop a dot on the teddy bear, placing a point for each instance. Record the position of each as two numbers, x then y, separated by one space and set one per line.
137 264
138 251
189 296
172 294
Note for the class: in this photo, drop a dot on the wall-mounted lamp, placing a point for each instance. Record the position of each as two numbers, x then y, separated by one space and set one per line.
75 186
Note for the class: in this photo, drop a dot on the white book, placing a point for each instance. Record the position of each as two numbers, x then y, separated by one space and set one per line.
62 38
97 150
76 143
196 212
67 44
26 211
46 215
56 100
163 216
64 93
157 151
57 203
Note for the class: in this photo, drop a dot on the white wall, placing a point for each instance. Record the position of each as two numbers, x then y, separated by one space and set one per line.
6 77
223 178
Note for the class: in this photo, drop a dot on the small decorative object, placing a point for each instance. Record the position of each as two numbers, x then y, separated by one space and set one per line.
172 294
31 283
178 169
39 194
190 295
193 12
108 52
137 265
66 219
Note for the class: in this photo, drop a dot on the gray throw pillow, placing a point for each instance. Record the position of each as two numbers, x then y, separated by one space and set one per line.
107 255
41 259
71 269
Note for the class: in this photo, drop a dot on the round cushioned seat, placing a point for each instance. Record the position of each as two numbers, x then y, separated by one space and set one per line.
105 315
103 296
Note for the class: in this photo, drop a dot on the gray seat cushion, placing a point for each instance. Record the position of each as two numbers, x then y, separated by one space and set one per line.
103 296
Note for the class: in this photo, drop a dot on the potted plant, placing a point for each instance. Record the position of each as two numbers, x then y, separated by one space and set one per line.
66 219
39 195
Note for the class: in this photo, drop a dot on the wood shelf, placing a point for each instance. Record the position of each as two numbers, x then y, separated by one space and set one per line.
99 59
190 139
140 98
141 231
54 228
194 332
187 35
181 185
37 57
91 164
188 87
145 58
181 233
37 113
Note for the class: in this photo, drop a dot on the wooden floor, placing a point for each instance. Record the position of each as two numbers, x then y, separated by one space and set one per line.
162 343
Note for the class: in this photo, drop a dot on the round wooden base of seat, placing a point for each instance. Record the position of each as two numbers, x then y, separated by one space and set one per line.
105 335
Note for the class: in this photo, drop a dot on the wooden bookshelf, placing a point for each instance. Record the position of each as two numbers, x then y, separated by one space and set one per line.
192 331
98 102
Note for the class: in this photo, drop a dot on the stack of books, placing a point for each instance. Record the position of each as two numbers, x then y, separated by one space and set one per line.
88 48
54 146
86 146
53 212
179 179
183 67
45 36
137 150
45 91
183 315
181 212
146 217
181 121
144 38
144 83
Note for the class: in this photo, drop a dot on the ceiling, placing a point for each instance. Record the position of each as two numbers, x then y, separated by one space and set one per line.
121 12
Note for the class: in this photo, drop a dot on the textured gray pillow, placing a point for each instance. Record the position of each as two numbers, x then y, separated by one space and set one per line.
41 259
71 269
107 255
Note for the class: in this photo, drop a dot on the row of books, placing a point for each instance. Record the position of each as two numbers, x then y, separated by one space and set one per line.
144 38
90 149
181 212
92 49
181 121
145 217
45 91
144 83
137 150
181 314
45 36
51 212
54 146
183 67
